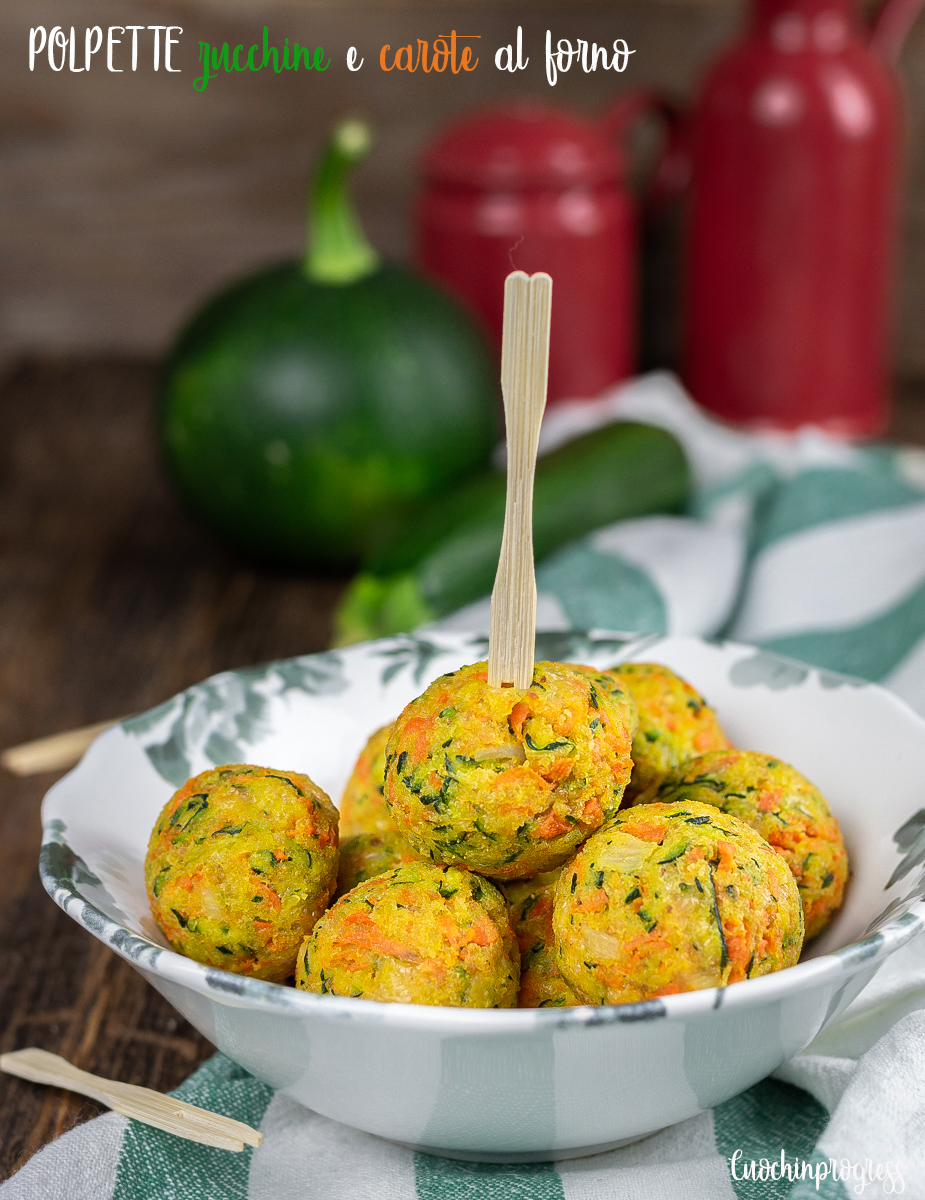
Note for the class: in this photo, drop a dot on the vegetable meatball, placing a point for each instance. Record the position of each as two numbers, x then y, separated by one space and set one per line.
541 981
670 898
369 854
362 807
675 723
420 934
240 866
785 808
509 782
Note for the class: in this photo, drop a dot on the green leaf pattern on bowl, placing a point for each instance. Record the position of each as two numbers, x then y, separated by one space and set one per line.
229 712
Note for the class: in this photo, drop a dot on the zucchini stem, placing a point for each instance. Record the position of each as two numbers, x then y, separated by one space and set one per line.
338 252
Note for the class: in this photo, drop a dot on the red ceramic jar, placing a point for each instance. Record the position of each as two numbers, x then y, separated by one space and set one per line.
534 188
795 149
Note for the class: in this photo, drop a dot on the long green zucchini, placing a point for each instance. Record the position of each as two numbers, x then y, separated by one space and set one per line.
448 556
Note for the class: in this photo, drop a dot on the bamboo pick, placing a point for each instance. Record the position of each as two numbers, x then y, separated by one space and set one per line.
524 370
52 753
144 1104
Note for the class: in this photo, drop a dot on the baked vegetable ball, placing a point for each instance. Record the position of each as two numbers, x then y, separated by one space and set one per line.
675 723
362 807
541 982
785 808
670 898
504 781
420 934
240 866
369 854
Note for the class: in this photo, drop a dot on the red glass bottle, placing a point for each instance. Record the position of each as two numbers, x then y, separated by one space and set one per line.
790 264
536 188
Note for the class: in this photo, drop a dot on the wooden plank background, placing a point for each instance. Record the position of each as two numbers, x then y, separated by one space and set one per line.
125 199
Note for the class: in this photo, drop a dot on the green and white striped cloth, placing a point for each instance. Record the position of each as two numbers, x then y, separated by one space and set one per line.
799 544
802 545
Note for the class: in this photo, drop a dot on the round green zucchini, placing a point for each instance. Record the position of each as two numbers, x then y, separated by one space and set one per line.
308 409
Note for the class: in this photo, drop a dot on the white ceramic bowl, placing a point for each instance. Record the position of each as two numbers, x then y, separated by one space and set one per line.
499 1085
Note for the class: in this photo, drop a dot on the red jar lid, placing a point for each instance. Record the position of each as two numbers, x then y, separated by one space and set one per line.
522 145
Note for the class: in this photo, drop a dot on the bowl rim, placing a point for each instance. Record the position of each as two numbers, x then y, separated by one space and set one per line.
242 991
58 861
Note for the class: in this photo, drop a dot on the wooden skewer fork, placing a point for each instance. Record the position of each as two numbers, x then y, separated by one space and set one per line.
524 371
144 1104
52 753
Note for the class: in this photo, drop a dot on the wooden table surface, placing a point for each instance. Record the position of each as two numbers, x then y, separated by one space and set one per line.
111 600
